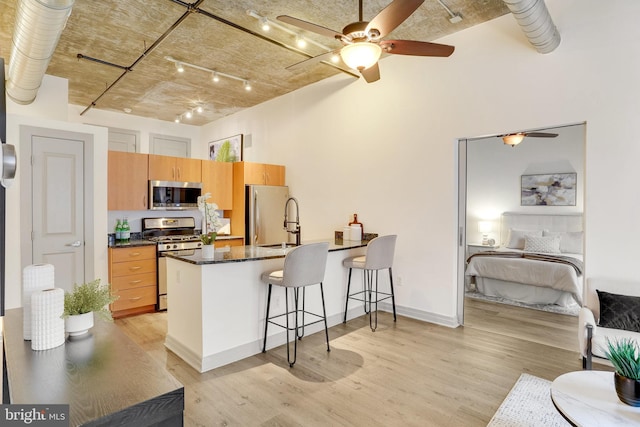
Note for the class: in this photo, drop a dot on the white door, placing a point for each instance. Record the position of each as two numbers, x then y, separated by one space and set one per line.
58 206
123 140
166 145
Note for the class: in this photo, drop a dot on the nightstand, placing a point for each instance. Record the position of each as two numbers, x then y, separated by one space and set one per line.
474 248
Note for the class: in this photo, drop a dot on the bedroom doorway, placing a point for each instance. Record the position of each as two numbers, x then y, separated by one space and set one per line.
493 179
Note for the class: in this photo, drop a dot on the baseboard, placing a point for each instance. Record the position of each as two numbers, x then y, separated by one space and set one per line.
193 359
425 316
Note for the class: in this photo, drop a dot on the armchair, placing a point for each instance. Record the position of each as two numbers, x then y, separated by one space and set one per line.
592 338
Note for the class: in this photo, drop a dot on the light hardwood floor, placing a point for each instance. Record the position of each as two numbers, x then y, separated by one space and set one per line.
410 373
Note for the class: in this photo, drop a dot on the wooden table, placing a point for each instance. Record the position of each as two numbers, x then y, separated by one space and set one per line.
588 398
105 377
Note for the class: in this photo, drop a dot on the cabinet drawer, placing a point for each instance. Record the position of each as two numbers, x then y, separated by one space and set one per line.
133 281
133 267
132 298
132 254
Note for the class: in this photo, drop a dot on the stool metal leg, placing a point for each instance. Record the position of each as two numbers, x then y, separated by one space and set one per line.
374 325
393 297
301 334
287 312
366 288
266 320
324 312
346 305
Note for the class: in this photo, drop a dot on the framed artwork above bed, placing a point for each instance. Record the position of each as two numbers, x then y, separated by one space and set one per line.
553 189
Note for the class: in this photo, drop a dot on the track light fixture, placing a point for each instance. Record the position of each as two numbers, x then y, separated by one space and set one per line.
247 85
189 113
199 109
179 67
264 23
272 24
177 119
301 42
215 75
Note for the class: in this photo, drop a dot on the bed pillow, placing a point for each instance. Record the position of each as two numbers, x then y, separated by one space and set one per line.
515 239
570 241
619 311
549 244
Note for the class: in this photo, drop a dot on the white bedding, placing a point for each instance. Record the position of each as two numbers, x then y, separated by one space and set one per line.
554 275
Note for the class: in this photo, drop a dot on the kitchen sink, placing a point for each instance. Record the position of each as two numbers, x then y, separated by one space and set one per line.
279 245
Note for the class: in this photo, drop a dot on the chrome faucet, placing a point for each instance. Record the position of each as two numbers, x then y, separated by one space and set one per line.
296 230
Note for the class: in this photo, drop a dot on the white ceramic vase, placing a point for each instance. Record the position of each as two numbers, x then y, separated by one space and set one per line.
78 324
207 251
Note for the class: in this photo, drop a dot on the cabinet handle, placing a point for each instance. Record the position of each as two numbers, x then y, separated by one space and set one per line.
179 174
173 172
144 201
135 281
134 254
135 298
135 268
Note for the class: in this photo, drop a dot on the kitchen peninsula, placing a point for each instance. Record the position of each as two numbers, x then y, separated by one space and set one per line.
217 306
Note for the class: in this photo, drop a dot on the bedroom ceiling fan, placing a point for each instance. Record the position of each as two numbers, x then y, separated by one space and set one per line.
363 42
514 139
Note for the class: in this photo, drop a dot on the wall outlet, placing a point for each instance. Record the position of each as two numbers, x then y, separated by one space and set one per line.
398 280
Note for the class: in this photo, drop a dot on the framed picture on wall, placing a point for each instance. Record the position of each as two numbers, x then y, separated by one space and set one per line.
553 189
227 149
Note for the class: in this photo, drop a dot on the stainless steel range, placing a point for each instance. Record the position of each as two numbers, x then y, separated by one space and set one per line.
173 236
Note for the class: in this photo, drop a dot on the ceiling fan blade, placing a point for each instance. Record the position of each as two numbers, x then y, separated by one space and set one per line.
412 47
371 74
310 27
393 15
541 134
311 61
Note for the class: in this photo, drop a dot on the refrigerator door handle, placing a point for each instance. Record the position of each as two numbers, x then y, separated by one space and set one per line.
256 218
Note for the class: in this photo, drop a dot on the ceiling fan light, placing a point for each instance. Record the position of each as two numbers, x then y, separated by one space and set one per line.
513 139
360 56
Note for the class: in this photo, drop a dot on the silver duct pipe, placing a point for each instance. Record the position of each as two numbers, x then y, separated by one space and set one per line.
39 24
535 20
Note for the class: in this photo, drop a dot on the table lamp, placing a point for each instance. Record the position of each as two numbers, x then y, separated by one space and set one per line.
484 227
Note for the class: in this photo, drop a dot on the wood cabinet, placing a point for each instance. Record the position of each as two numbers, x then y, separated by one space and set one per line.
168 168
133 277
217 179
229 242
263 174
128 184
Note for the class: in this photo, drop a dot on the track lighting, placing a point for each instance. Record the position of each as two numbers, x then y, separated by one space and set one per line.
301 42
264 23
177 119
199 109
179 67
247 85
215 75
188 114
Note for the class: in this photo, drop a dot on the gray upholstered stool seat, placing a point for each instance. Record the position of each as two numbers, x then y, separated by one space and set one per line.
379 256
303 266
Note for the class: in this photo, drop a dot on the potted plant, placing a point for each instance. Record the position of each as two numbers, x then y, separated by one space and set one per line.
210 224
82 303
624 355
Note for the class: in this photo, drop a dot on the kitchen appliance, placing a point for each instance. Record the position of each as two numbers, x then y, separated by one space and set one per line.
174 195
173 236
264 214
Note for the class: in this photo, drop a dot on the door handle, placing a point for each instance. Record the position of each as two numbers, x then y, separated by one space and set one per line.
75 244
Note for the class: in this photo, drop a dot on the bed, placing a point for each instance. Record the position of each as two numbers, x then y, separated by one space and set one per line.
539 261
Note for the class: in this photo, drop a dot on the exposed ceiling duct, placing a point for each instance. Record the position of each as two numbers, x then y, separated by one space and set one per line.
535 20
39 24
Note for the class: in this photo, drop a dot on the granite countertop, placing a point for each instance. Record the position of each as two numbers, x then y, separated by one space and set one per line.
144 242
254 253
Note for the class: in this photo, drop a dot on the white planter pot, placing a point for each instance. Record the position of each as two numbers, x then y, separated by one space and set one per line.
207 251
78 324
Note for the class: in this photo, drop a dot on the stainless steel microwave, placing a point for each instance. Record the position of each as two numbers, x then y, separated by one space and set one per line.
173 195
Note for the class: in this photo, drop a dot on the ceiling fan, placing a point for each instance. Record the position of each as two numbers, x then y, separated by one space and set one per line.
363 42
514 139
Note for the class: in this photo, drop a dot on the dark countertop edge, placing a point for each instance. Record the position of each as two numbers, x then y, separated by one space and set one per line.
334 246
144 242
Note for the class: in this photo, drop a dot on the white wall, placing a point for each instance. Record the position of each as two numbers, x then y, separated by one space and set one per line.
494 173
387 150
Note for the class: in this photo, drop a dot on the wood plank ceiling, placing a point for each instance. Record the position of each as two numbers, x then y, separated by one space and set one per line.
119 31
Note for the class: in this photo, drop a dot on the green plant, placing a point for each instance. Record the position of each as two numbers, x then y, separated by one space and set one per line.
89 297
624 355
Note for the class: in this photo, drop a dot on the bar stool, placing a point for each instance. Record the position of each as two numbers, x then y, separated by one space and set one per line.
303 266
379 257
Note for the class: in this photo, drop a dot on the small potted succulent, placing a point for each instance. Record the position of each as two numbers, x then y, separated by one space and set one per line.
624 355
82 303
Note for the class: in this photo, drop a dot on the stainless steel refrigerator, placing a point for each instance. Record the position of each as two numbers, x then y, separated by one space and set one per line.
264 214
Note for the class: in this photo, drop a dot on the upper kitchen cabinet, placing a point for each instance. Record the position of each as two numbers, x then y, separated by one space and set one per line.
217 179
168 168
127 181
263 174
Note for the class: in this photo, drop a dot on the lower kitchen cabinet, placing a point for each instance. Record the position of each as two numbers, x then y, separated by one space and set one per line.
133 277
